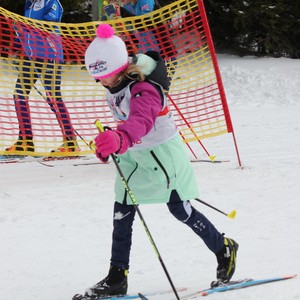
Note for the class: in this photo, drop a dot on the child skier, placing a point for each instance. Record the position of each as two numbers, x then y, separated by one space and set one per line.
151 155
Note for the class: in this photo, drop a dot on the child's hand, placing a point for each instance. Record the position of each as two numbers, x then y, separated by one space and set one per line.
111 141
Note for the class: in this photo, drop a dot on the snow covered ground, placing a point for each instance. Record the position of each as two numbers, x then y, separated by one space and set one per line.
56 223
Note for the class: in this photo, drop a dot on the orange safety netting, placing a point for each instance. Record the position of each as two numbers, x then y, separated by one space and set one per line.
179 31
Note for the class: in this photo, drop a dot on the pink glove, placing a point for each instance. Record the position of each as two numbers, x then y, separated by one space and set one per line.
103 159
111 141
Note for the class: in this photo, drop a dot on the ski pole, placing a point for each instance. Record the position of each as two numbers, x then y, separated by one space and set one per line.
189 126
88 144
135 204
230 215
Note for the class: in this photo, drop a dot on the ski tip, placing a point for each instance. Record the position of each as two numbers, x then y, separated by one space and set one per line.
142 297
290 276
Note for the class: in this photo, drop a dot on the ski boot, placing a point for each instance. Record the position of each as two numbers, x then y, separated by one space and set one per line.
114 284
226 258
68 145
22 145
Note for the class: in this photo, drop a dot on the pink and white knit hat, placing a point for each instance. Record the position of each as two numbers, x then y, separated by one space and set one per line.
107 54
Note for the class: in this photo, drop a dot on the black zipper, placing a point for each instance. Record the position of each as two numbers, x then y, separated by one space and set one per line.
161 166
125 194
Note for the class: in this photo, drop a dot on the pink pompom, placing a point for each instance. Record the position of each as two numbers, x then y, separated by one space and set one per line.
105 31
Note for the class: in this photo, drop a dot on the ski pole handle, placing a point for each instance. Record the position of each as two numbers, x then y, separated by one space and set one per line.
99 126
101 129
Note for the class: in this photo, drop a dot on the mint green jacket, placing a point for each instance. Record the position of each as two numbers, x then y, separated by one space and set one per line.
153 173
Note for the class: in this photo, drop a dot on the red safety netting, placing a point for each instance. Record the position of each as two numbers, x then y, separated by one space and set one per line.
179 31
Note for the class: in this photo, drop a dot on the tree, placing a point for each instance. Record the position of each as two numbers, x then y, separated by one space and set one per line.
248 27
256 27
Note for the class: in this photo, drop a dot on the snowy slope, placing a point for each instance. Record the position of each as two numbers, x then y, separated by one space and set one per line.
56 223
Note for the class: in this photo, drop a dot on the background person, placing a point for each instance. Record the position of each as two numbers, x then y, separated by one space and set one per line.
43 59
156 38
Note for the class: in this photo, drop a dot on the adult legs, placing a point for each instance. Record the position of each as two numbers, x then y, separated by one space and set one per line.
52 84
26 79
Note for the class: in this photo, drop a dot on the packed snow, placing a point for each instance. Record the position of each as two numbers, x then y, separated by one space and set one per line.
56 222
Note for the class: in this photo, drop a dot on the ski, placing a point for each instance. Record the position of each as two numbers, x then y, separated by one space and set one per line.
11 159
51 161
217 161
222 287
137 296
140 296
81 297
8 161
48 161
235 285
56 158
91 163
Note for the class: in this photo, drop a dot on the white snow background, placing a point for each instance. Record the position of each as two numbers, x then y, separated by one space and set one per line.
56 222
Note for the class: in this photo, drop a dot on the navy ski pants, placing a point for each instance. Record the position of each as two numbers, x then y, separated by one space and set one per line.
181 210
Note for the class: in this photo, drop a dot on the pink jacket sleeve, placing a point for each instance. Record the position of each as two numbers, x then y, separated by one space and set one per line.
145 105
